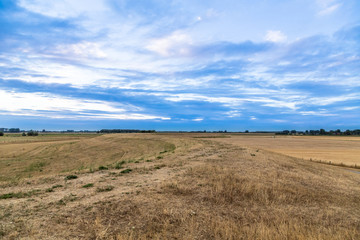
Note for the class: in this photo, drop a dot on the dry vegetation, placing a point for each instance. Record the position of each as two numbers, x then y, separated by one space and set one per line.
341 150
174 186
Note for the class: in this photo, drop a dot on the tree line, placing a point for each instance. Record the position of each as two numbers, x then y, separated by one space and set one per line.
321 132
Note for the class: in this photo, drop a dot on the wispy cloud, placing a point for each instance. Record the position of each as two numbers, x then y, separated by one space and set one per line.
275 36
180 61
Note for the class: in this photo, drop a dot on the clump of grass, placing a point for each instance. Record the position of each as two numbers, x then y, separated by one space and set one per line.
119 165
148 160
56 186
159 157
128 170
252 154
159 166
89 185
37 166
107 188
70 177
49 190
20 194
137 161
103 168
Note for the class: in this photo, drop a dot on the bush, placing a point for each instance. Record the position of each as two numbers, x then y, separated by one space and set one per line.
32 133
1 134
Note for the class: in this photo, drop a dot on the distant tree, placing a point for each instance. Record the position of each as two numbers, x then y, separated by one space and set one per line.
348 132
246 131
23 134
32 133
322 132
43 130
1 134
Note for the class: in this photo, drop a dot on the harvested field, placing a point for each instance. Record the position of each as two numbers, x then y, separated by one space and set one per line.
333 149
174 186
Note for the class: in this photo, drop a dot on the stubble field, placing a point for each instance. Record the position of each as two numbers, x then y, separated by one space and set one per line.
177 186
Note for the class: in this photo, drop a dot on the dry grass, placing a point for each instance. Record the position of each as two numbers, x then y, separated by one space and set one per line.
45 156
327 149
205 190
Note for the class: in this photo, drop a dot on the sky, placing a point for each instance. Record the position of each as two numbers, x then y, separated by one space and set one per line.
211 65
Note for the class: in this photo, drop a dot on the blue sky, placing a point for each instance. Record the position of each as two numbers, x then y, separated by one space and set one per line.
180 65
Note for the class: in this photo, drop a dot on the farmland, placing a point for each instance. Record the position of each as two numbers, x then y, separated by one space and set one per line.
178 186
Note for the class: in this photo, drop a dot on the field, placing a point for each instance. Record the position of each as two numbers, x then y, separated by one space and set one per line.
178 186
328 149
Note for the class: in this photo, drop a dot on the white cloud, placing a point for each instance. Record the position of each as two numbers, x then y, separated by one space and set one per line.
176 44
198 119
81 50
275 36
53 106
63 8
329 10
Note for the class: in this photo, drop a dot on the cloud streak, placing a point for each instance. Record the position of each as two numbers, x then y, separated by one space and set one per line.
181 61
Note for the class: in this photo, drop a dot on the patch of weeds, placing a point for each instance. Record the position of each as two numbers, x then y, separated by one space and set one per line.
61 202
159 157
20 194
130 161
163 152
103 168
252 154
148 160
137 161
107 188
57 186
89 185
69 198
119 165
37 166
159 166
128 170
70 177
49 190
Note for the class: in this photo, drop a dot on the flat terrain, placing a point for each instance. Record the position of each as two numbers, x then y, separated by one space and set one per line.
335 149
174 186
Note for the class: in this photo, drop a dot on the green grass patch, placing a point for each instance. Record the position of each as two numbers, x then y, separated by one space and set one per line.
89 185
119 165
20 194
103 168
128 170
70 177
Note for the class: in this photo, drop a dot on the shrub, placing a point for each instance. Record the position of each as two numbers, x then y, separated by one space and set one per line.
32 133
88 185
1 134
